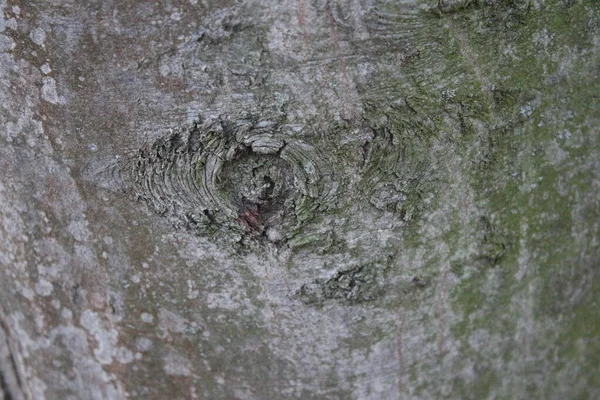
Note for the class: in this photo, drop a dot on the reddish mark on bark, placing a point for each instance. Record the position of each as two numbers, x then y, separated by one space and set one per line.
249 217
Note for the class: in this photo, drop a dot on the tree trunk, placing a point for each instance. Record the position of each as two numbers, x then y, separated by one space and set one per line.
327 199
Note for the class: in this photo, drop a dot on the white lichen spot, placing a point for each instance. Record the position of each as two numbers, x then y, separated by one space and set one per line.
164 69
171 322
106 338
526 110
274 235
45 69
175 364
38 35
193 292
124 355
143 344
27 293
564 134
543 38
39 322
147 318
7 44
44 288
225 300
51 270
309 167
92 147
12 24
49 92
78 229
38 388
66 314
136 278
448 94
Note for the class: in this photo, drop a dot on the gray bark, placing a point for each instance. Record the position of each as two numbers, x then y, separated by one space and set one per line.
330 199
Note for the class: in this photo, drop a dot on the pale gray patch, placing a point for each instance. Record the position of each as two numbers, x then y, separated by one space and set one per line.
11 23
124 355
100 385
193 292
176 364
2 20
38 388
44 287
66 314
38 35
49 92
78 229
526 110
171 322
143 344
6 44
106 338
147 318
27 292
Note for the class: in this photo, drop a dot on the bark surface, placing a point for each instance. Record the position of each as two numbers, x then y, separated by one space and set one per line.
325 199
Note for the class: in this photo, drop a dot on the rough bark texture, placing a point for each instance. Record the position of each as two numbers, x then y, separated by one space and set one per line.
343 199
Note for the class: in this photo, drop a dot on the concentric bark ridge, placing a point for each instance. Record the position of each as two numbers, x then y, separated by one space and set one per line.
230 174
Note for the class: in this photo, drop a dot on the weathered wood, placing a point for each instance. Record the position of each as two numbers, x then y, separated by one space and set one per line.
358 199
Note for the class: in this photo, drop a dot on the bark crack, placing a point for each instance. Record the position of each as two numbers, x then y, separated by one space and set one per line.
11 382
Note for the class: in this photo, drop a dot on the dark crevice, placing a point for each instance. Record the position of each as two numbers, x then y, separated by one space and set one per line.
5 387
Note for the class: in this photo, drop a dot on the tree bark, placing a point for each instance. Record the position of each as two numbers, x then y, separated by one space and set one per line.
329 199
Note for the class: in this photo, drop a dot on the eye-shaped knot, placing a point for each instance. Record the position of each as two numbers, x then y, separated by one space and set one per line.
227 175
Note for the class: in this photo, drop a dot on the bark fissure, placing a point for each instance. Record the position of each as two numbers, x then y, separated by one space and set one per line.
11 381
